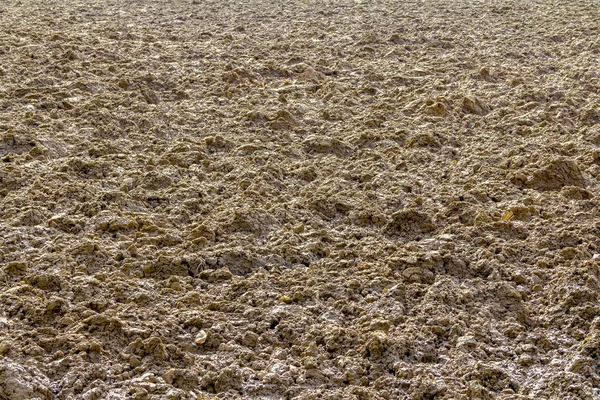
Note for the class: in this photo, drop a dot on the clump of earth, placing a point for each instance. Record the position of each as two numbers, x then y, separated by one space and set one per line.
299 200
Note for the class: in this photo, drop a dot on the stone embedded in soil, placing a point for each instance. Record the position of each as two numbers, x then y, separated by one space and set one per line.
201 337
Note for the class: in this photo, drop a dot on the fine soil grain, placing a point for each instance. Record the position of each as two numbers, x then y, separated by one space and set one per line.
299 200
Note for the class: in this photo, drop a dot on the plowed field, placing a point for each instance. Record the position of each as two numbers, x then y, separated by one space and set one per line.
299 200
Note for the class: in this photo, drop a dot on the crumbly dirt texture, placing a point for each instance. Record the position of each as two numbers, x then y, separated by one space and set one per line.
299 200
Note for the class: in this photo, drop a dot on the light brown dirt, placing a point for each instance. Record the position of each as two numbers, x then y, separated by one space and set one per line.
299 200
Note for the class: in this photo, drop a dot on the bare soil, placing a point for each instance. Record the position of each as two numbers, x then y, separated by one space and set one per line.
299 200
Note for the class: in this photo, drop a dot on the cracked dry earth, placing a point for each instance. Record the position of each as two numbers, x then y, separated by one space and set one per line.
299 200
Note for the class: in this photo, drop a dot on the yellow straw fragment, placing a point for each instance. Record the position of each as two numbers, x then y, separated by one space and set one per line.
508 215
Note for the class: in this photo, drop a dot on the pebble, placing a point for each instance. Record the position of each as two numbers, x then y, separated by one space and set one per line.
285 299
4 347
201 337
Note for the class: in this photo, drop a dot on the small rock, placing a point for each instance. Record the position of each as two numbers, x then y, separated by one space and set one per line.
285 299
4 347
201 337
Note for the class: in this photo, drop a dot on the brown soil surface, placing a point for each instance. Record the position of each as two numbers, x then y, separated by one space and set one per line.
299 200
